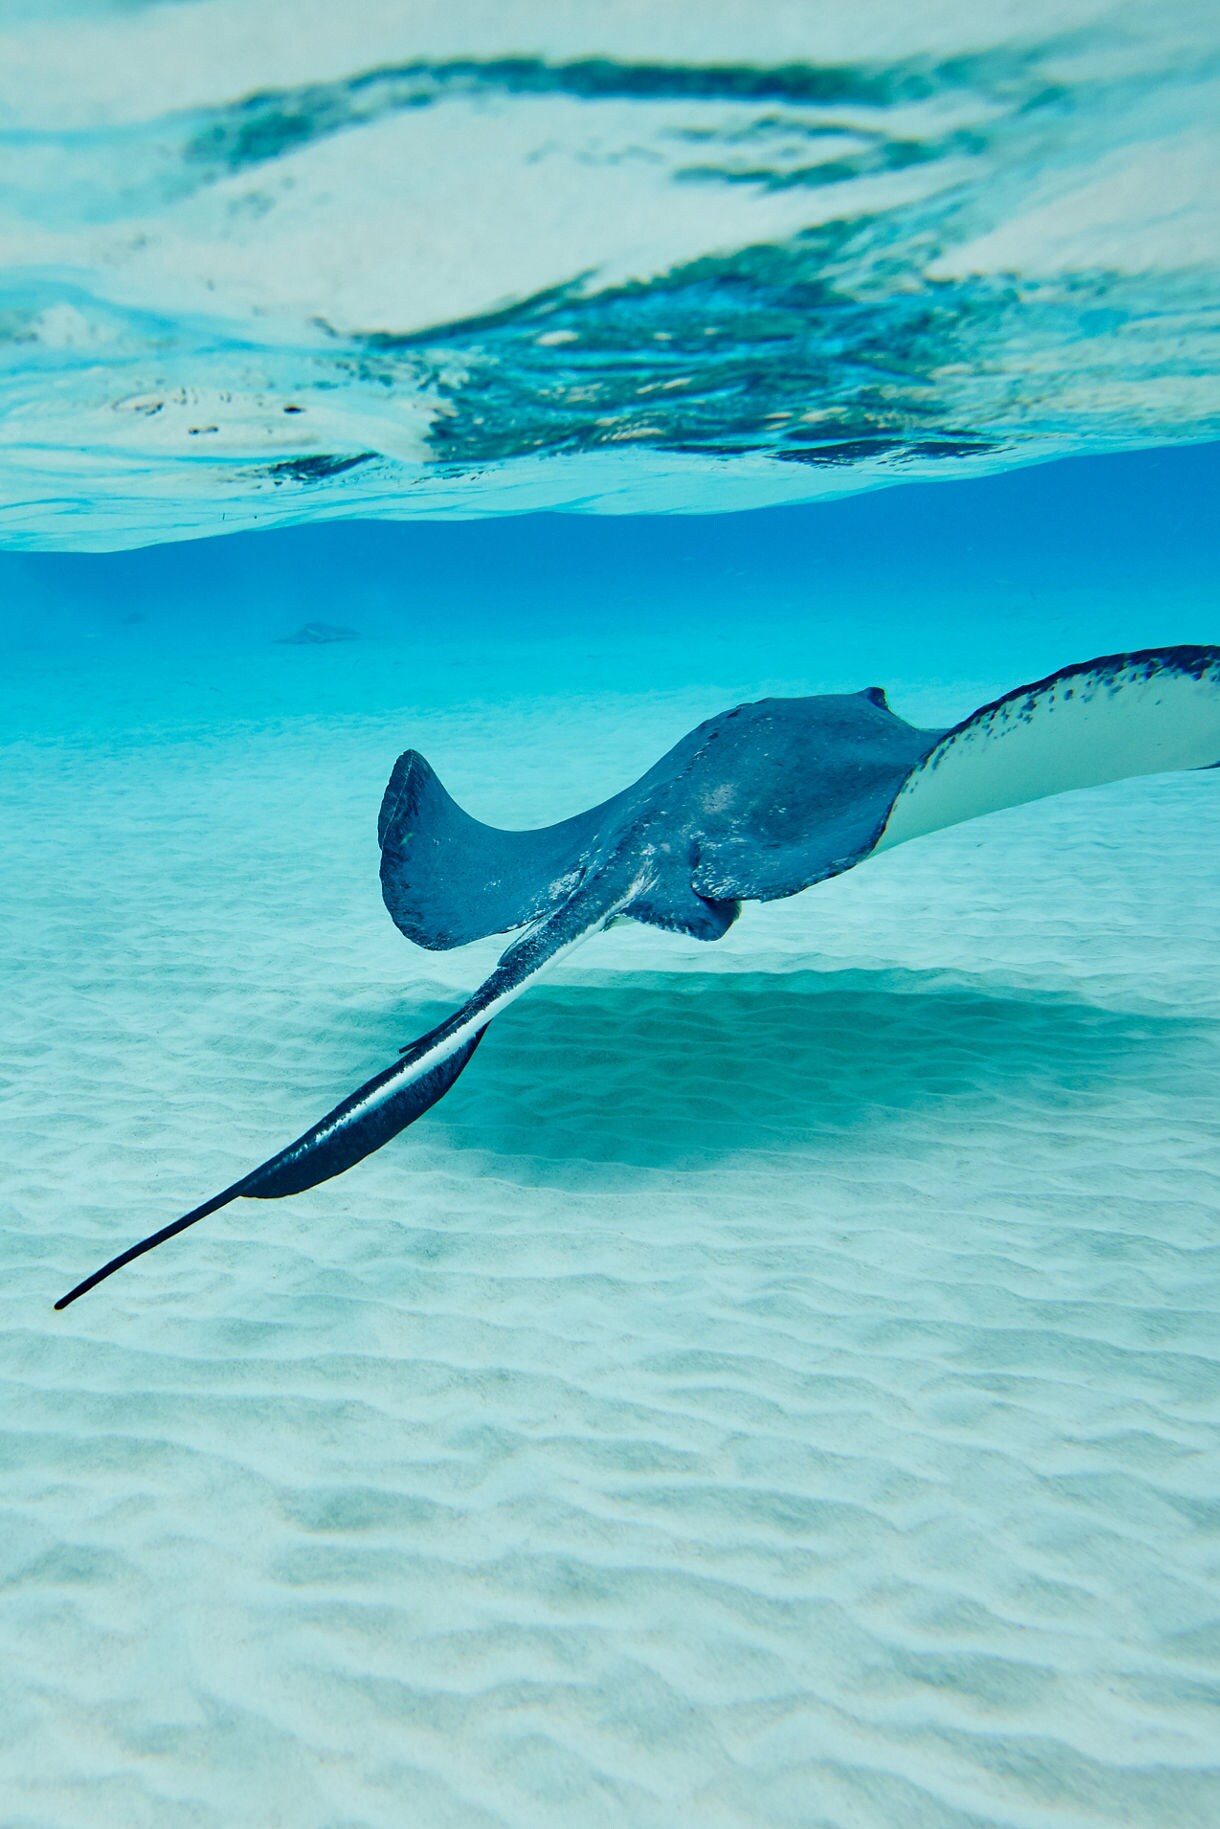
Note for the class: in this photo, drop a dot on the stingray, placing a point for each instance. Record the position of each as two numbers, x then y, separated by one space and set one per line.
760 802
317 634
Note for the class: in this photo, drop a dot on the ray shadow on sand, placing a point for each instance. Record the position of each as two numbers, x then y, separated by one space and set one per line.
652 1069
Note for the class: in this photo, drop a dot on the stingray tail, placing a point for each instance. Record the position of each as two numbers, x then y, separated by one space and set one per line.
325 1150
395 1097
146 1244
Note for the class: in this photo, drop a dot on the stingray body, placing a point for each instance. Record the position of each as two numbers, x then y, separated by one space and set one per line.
760 802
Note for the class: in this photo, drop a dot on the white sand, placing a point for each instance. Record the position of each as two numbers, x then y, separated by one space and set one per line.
777 1387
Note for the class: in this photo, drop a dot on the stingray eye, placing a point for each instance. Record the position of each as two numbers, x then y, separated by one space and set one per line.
876 696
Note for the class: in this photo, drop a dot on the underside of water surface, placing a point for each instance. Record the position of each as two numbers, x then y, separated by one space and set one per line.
778 1386
264 264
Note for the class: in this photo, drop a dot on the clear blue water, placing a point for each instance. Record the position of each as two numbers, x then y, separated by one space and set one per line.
997 580
778 1385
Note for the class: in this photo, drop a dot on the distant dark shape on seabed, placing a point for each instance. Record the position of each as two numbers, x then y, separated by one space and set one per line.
317 634
757 803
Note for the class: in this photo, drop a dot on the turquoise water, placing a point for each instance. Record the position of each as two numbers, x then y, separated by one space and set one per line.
778 1386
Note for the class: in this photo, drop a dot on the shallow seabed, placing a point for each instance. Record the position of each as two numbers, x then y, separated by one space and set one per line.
777 1387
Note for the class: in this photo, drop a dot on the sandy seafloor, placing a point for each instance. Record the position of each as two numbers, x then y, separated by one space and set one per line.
779 1386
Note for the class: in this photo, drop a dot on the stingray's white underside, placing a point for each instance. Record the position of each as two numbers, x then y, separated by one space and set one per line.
1085 726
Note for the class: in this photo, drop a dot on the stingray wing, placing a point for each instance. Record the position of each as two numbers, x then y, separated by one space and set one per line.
1103 720
447 878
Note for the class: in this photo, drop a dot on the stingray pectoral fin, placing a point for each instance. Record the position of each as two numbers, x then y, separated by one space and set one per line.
394 1098
447 879
1104 720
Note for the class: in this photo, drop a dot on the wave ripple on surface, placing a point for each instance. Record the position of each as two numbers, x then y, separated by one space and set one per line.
258 270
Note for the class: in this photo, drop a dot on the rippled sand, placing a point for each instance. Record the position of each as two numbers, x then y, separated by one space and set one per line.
777 1387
